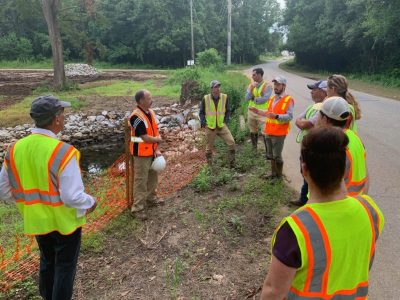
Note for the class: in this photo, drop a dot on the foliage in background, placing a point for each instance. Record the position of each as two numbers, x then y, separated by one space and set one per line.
345 35
208 58
139 31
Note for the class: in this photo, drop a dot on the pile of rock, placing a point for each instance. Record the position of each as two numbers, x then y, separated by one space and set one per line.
178 126
73 70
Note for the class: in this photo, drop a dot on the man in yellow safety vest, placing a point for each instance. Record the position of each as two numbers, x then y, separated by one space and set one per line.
257 95
42 176
214 116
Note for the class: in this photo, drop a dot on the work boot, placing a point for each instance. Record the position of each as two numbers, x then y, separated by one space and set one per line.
209 158
273 171
231 157
279 169
254 140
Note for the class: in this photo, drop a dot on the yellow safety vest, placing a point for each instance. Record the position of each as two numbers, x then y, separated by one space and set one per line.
34 164
337 244
257 93
215 116
356 167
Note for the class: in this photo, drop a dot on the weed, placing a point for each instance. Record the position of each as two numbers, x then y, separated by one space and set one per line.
237 223
26 289
202 182
173 276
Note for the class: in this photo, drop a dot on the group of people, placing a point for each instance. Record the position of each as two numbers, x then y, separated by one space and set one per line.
323 250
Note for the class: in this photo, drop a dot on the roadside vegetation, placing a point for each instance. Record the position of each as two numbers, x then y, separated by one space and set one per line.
384 85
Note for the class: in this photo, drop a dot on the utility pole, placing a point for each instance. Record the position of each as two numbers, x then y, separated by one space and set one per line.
228 52
191 27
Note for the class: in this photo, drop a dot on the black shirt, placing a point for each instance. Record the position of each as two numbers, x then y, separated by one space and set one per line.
140 128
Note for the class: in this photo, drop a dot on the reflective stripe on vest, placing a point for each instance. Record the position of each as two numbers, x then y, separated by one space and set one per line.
375 224
144 149
314 277
257 93
355 173
215 115
276 127
33 165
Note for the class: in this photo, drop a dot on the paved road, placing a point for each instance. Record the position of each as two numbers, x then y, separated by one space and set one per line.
379 128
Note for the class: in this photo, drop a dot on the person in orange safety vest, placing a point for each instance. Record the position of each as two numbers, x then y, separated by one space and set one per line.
144 148
279 114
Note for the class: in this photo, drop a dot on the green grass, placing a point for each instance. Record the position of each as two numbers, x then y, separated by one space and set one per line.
19 113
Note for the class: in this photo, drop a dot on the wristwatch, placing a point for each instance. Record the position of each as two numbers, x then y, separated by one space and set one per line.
276 117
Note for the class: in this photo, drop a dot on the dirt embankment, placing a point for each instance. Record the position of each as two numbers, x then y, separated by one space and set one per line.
17 84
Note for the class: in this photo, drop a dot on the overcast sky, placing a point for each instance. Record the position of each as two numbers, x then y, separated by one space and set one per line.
282 3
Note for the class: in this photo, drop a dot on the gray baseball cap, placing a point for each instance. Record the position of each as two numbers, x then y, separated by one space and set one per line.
280 79
336 108
46 107
214 83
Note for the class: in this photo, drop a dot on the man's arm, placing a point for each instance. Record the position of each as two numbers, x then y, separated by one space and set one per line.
278 281
265 95
227 112
5 187
202 113
249 92
72 190
285 117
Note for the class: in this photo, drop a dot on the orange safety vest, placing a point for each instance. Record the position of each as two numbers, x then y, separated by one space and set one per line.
276 127
144 149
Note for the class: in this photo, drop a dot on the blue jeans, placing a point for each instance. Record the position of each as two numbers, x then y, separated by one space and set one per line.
58 259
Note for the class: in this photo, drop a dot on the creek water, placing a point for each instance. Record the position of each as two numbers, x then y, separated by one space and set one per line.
95 159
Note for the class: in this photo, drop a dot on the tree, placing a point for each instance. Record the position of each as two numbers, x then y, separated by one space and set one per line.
50 11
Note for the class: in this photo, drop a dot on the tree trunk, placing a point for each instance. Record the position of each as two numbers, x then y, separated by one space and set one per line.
50 11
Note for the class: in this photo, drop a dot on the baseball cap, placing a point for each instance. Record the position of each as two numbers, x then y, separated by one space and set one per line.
45 108
280 79
321 84
336 108
214 83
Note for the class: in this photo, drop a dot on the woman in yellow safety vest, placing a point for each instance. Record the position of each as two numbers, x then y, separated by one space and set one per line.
339 86
325 249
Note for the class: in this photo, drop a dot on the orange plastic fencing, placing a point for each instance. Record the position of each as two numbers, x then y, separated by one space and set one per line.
21 259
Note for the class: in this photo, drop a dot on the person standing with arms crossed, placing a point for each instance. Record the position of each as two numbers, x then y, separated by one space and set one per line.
144 148
305 122
42 175
279 113
214 116
257 95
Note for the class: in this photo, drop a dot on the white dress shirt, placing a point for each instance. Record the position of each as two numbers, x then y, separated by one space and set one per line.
71 189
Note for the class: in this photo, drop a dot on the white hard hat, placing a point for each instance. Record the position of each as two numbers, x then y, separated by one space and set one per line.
159 164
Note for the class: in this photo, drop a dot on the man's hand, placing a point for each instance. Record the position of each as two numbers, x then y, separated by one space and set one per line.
157 153
259 100
159 139
90 210
271 115
253 109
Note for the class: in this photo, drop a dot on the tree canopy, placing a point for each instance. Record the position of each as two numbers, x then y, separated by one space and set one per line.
345 35
153 32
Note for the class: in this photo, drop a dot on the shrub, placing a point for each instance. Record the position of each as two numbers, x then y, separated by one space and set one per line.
208 58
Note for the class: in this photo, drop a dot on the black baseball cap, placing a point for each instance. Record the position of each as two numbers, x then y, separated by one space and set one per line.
44 108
